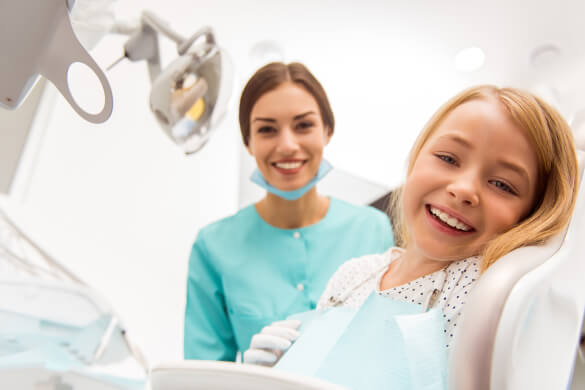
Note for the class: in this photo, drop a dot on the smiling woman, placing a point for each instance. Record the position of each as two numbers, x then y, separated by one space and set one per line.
287 137
273 258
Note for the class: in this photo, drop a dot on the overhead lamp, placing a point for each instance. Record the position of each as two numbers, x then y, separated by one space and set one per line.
469 59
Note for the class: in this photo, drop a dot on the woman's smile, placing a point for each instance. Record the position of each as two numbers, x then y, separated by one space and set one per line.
289 167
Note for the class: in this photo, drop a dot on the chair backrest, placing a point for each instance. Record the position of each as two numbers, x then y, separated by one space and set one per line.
211 375
523 320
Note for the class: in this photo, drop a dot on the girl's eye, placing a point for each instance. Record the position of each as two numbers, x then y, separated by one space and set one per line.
304 125
448 159
503 186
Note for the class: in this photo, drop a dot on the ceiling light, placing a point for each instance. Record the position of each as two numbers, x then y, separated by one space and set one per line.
469 59
264 52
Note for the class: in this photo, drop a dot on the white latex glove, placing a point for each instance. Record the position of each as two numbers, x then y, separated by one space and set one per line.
267 347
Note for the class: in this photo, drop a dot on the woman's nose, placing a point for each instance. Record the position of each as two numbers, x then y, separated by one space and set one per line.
287 141
465 189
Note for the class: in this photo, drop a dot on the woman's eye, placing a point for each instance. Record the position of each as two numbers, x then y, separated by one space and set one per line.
266 129
304 125
503 186
448 159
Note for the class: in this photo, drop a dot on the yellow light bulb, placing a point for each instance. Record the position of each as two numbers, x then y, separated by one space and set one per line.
196 110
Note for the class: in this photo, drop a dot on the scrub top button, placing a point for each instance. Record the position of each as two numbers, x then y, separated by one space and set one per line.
297 235
300 287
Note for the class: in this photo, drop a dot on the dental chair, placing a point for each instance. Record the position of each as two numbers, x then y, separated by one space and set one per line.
56 332
523 320
210 375
521 328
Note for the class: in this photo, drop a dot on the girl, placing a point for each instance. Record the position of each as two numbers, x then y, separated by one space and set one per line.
274 258
494 169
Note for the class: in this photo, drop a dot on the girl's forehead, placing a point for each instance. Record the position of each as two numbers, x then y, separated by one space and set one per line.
476 117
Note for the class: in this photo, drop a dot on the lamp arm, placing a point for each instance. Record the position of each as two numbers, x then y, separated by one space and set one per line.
161 26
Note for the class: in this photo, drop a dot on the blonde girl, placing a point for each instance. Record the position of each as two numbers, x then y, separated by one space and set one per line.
493 170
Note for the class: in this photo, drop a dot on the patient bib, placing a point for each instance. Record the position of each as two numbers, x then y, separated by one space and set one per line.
385 344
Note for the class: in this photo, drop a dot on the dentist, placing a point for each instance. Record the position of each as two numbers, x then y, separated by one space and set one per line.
274 258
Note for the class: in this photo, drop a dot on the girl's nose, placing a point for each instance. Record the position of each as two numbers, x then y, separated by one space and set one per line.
465 189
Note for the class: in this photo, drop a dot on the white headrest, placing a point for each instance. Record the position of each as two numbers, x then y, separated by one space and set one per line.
527 296
578 127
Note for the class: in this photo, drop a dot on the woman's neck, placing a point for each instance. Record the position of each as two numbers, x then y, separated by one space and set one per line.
409 266
291 214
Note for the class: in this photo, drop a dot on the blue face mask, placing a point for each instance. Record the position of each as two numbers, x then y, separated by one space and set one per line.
324 169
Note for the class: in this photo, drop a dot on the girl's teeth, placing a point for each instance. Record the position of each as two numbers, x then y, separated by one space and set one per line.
449 220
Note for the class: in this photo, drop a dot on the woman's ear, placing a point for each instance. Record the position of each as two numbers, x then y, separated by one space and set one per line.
327 133
250 150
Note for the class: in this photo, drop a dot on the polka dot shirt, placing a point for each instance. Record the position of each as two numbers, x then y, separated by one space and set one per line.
447 289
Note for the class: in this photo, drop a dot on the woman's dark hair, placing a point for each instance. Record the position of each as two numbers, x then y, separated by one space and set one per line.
272 75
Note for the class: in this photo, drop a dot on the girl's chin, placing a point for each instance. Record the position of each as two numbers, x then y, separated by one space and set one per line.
438 253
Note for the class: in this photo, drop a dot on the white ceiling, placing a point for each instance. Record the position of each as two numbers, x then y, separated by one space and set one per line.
395 35
387 65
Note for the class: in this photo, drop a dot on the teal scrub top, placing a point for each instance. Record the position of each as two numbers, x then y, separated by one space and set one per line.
245 274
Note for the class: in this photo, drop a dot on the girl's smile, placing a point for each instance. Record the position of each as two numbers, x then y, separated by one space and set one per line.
447 222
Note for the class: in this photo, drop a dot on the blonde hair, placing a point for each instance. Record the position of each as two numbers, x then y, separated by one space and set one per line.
557 169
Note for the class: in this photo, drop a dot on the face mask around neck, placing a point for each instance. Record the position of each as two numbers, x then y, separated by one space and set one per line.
324 169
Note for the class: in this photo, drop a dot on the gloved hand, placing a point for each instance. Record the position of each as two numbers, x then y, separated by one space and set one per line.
267 347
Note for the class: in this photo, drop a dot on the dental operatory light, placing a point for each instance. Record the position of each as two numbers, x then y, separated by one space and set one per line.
469 59
37 39
188 98
191 95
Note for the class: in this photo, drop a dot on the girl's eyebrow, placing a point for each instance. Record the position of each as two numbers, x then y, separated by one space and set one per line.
457 138
514 167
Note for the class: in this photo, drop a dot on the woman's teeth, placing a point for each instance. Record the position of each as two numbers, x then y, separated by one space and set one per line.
288 165
449 220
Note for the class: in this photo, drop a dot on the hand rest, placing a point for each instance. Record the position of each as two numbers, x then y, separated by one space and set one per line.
211 375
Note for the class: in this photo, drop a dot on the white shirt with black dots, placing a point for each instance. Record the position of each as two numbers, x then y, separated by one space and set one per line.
355 279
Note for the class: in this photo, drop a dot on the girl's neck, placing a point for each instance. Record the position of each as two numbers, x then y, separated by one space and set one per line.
409 266
292 214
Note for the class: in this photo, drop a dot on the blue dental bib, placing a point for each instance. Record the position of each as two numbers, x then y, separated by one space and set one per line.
385 344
